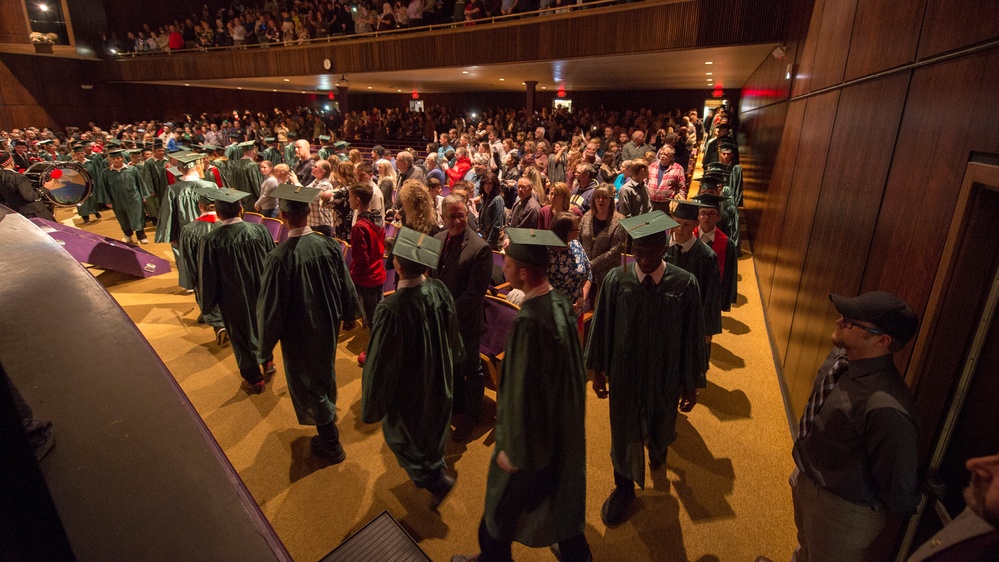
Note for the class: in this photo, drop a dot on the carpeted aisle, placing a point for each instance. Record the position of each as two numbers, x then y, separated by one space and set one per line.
724 495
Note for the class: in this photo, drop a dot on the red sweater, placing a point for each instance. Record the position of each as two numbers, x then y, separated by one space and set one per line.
367 247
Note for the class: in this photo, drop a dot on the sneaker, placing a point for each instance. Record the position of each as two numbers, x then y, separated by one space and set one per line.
333 453
255 388
440 489
613 511
269 369
128 240
143 241
363 356
221 336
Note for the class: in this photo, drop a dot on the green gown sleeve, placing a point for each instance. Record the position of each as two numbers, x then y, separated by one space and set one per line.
384 363
272 305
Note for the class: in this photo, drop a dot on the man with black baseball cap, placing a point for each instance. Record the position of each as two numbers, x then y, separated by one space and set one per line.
855 453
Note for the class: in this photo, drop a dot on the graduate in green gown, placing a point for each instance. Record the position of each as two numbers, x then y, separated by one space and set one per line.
414 350
536 487
180 205
290 158
647 341
245 175
724 247
230 267
92 205
305 293
126 190
713 183
272 153
689 253
326 149
155 172
189 245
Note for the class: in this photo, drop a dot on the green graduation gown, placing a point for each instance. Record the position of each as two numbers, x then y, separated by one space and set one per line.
650 343
540 424
305 293
155 171
126 190
89 207
291 160
188 246
414 350
230 266
245 175
178 208
703 263
273 155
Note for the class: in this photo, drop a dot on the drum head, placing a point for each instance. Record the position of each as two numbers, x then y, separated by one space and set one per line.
68 183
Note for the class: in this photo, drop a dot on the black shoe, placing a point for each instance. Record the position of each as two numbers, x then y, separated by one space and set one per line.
464 428
558 553
97 216
333 453
613 511
440 489
86 220
201 319
221 336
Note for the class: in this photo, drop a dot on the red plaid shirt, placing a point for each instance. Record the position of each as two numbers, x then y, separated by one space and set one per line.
672 183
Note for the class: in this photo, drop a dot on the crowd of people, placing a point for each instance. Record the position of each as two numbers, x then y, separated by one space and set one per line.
274 23
561 197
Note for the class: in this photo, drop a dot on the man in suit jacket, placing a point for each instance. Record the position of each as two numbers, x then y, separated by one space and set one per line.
465 267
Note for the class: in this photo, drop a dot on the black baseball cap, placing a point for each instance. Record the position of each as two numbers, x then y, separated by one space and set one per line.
889 313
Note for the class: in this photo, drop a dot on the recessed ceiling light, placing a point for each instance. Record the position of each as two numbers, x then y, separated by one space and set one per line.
398 90
303 92
239 87
464 72
709 73
187 84
544 87
708 62
369 87
273 90
502 79
287 80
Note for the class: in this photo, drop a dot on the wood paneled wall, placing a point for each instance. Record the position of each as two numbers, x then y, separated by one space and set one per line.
13 23
865 178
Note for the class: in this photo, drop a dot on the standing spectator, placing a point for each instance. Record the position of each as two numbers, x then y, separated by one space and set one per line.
858 435
602 236
492 210
367 241
175 41
570 270
237 32
414 11
667 180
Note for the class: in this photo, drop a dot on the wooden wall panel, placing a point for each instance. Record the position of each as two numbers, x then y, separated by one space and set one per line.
760 137
823 63
13 23
951 24
727 21
774 204
874 46
803 195
927 172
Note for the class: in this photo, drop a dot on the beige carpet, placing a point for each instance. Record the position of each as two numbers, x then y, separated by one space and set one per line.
724 495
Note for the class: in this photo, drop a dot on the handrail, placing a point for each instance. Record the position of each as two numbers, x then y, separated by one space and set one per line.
312 41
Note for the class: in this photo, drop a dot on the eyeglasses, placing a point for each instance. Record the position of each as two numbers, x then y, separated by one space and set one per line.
457 217
848 323
707 214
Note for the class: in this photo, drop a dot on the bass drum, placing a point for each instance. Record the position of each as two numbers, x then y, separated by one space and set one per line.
64 184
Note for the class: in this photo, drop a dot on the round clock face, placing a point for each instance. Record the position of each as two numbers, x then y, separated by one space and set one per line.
327 64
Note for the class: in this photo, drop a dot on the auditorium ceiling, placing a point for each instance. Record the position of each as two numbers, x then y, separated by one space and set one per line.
685 69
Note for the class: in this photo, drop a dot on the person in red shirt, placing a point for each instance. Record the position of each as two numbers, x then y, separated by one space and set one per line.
367 246
176 40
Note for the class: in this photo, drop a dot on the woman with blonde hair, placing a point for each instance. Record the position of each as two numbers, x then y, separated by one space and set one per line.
558 202
530 172
355 156
418 207
602 235
386 183
321 215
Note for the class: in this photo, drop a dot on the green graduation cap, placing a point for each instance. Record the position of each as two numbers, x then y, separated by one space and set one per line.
224 194
207 147
77 148
270 139
341 144
711 200
44 142
650 228
291 134
114 142
530 246
246 145
292 198
687 210
418 247
324 137
179 154
188 160
118 152
175 171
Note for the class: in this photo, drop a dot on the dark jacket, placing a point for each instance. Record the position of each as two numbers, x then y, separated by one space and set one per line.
466 271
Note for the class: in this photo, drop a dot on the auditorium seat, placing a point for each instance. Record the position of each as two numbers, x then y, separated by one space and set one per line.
500 315
255 218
